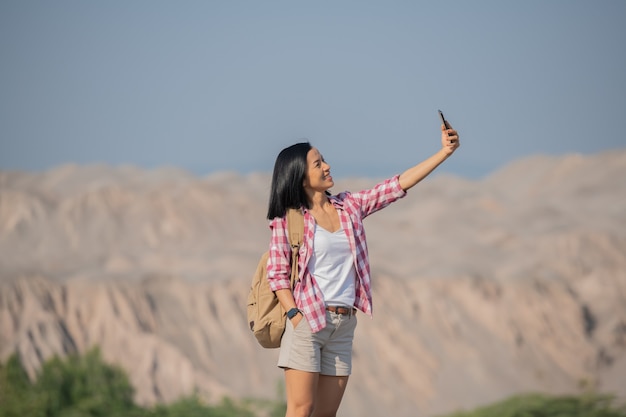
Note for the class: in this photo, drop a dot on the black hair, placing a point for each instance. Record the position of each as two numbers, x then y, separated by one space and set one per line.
287 190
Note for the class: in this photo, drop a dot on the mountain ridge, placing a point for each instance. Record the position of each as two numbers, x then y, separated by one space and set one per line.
482 288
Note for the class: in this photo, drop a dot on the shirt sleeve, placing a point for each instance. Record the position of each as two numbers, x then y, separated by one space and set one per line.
278 262
378 197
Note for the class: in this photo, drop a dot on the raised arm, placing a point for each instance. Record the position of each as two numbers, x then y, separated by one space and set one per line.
413 175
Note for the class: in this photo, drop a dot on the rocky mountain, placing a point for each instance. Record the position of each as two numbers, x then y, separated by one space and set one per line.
482 289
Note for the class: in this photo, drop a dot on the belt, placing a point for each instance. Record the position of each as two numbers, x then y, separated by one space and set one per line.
346 311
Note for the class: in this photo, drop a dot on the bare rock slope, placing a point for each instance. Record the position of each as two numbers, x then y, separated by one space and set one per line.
482 289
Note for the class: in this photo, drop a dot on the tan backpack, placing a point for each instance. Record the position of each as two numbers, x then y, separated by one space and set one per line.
266 316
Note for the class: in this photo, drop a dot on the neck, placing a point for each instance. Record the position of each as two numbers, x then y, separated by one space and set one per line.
318 200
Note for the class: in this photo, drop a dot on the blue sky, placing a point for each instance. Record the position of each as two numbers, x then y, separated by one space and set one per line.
224 85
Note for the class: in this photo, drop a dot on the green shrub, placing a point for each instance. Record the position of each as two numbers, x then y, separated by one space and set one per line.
72 387
17 397
538 405
86 386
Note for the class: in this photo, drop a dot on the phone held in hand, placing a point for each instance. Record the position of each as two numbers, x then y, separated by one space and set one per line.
443 120
447 125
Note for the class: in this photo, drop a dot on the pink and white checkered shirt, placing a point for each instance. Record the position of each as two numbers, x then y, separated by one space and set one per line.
352 209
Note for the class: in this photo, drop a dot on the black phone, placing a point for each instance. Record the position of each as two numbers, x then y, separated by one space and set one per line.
443 120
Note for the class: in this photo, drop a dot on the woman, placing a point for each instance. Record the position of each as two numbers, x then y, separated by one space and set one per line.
334 272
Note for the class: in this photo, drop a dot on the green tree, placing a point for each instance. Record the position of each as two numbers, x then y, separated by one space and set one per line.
84 385
17 398
77 386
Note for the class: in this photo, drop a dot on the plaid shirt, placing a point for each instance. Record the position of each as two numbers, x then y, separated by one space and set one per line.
352 209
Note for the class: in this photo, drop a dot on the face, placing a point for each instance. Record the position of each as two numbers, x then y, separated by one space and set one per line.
318 172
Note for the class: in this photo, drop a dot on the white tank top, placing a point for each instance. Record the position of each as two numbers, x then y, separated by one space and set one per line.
332 266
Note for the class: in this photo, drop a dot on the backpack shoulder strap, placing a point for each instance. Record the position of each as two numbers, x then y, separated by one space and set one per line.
295 229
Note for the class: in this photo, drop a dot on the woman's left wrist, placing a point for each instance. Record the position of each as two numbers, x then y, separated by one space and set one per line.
293 313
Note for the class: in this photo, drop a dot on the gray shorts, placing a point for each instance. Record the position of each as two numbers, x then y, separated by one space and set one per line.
328 351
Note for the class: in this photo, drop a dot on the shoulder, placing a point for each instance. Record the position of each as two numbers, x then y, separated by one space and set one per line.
278 223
